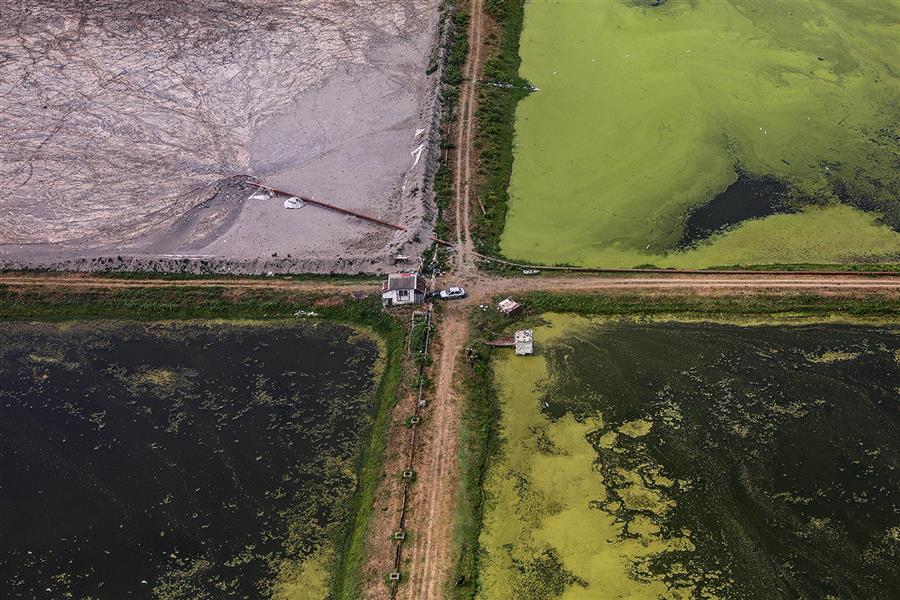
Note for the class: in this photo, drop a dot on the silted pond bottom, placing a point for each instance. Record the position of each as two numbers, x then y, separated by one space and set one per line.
177 461
696 460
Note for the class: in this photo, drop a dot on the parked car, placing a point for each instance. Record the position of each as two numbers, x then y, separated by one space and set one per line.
453 293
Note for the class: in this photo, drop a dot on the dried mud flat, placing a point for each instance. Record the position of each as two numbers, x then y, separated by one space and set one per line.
129 128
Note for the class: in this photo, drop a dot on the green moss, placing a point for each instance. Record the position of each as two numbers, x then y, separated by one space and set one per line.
643 115
545 503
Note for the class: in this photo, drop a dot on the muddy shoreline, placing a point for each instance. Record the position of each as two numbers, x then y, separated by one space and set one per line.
363 133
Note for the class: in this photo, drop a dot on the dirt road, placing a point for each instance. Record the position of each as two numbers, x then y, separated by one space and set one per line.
465 247
431 507
483 287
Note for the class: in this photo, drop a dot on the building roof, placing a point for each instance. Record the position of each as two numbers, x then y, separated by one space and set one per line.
508 306
404 281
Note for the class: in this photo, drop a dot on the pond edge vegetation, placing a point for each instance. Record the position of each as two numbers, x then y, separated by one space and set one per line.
479 438
265 306
498 96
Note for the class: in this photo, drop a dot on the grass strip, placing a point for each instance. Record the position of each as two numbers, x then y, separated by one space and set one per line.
498 94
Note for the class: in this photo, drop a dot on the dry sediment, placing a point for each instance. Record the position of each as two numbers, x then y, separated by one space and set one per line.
130 124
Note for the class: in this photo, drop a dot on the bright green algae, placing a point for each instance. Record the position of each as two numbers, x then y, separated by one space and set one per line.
694 460
543 536
645 113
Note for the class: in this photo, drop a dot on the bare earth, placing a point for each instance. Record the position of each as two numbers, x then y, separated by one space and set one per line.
128 126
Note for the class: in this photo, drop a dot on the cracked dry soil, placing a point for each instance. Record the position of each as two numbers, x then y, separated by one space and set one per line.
127 123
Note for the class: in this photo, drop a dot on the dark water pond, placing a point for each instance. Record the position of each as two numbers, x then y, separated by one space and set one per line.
170 461
783 444
746 198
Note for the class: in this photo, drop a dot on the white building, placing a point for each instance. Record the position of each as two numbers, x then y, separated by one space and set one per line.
525 342
403 288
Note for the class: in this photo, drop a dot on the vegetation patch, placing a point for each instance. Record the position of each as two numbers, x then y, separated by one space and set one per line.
499 92
457 49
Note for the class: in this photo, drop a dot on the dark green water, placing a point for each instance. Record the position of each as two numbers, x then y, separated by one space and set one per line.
782 443
173 461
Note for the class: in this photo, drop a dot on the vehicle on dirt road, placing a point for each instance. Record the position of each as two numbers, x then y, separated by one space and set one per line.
452 293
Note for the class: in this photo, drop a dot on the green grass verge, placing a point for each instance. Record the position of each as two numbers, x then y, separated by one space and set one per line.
167 303
478 442
479 438
495 123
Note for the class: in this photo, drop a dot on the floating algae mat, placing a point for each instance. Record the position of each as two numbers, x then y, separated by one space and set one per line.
177 461
696 134
696 460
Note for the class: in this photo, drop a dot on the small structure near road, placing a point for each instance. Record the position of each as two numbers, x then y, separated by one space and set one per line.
509 307
403 288
525 342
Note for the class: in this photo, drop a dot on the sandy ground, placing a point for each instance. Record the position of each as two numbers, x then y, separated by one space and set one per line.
129 127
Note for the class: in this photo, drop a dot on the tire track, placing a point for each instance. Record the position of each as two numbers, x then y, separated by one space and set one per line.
465 248
430 558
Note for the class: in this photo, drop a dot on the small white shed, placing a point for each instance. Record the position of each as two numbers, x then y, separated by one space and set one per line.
403 288
525 342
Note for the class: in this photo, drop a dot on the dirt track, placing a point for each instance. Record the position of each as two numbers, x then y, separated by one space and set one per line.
482 288
465 255
431 509
80 281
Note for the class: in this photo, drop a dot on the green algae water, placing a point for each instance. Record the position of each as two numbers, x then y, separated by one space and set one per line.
695 460
178 461
644 115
